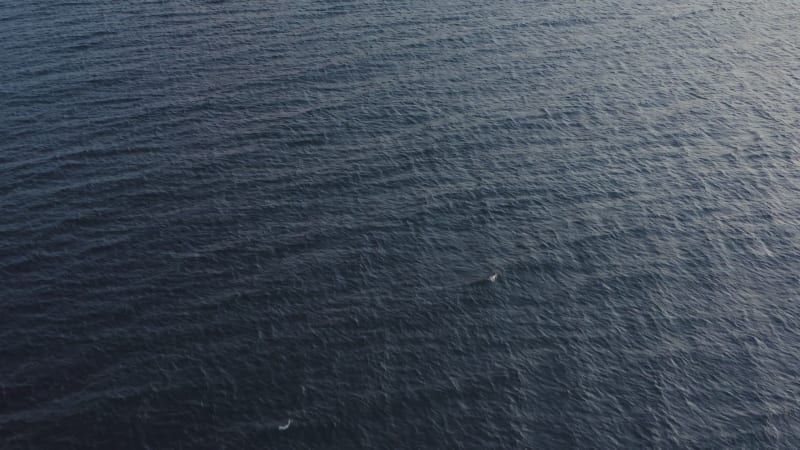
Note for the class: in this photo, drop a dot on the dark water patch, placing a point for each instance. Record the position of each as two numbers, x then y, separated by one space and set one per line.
219 216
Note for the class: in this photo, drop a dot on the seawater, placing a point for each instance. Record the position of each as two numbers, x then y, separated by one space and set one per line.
219 216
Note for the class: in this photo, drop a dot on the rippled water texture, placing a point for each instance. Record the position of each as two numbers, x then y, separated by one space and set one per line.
219 216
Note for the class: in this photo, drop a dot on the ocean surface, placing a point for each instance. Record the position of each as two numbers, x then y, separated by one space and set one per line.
218 218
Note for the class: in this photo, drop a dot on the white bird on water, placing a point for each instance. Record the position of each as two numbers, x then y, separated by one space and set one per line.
493 277
285 427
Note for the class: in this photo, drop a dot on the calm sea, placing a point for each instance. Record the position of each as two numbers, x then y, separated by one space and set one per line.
220 218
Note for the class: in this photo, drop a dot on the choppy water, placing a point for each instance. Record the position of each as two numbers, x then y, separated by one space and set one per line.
218 216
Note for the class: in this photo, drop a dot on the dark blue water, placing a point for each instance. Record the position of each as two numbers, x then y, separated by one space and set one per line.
217 216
